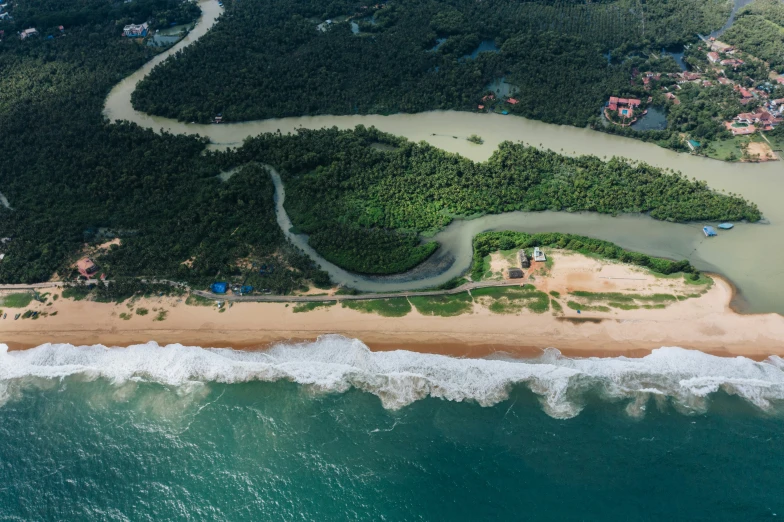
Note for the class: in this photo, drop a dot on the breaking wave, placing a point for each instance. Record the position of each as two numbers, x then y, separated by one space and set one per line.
336 364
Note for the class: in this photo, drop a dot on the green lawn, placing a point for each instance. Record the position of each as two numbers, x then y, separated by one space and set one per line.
16 300
722 150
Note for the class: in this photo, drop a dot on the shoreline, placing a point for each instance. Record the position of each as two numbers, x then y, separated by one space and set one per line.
706 324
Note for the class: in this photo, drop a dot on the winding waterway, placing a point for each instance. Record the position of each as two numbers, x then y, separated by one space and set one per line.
749 255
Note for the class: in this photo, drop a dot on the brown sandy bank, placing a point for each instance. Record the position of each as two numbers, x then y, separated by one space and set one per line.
705 323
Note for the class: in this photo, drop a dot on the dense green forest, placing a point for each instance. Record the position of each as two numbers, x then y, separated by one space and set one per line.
759 30
267 60
72 179
354 198
48 14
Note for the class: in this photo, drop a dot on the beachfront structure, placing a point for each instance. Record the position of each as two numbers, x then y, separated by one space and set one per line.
135 30
523 259
539 255
27 33
86 267
513 273
219 287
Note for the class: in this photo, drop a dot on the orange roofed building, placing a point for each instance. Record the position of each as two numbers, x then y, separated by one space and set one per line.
86 267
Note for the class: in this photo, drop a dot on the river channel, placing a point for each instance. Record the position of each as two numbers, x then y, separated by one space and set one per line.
749 255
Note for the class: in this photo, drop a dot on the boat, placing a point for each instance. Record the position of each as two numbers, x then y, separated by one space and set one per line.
726 226
709 231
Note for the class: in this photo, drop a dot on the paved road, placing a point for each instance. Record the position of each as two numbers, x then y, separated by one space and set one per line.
291 298
358 297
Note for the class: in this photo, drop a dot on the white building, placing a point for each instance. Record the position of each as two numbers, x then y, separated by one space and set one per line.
135 31
539 255
27 33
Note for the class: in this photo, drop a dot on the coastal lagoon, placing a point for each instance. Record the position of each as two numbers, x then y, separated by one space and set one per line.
747 255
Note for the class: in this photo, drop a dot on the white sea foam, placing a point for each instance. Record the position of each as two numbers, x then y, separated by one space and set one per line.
398 378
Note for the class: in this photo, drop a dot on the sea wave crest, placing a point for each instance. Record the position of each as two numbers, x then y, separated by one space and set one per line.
335 364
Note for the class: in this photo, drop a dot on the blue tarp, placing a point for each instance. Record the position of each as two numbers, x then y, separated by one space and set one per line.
219 288
246 289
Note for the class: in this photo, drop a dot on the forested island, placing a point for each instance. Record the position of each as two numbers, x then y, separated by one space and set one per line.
364 205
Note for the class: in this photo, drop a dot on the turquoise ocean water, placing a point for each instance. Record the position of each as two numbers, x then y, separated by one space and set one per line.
331 431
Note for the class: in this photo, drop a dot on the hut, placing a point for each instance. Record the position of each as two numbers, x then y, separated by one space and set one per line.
86 267
513 273
539 255
523 259
219 288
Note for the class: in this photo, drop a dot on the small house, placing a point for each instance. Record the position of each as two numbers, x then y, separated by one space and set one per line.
135 30
513 273
713 57
86 267
523 259
27 33
539 255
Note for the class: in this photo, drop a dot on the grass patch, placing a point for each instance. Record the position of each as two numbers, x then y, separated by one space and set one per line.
623 306
55 297
397 307
161 315
587 308
125 316
654 307
309 307
511 300
77 293
557 308
16 300
142 311
555 294
443 305
700 281
197 300
625 298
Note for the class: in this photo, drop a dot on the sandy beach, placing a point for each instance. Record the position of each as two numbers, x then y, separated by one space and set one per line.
705 323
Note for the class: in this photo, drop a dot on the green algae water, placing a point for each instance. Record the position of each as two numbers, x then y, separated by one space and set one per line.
331 431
